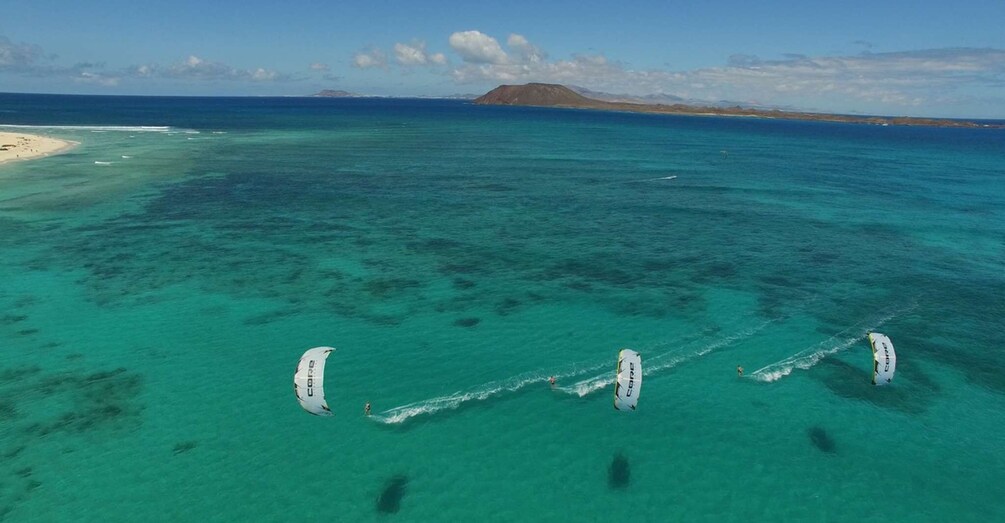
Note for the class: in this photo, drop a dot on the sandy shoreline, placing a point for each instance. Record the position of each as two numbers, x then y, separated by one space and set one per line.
20 146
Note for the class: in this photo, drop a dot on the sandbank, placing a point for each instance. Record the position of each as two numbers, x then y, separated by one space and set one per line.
21 146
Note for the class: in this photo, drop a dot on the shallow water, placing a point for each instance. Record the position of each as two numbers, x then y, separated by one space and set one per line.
153 308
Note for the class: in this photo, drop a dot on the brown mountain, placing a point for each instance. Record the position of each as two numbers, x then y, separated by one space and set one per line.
546 95
553 95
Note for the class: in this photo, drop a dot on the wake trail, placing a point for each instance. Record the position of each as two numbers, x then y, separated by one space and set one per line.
499 388
807 358
483 392
667 360
672 177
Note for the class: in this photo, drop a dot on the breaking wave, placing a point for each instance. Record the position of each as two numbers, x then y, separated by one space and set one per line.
129 128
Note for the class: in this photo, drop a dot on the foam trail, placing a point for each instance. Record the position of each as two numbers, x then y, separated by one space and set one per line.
663 361
583 387
102 163
807 358
492 389
672 177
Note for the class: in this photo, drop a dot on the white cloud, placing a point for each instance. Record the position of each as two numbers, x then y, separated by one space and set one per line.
317 66
902 78
580 70
527 51
415 54
478 48
97 78
264 75
410 54
369 58
194 67
18 56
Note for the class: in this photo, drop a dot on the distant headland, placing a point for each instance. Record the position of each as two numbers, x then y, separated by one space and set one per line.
554 95
331 93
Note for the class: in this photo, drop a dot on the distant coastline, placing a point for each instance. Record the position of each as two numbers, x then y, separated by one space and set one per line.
332 93
554 95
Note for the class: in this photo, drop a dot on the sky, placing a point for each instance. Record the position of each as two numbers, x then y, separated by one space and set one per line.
889 57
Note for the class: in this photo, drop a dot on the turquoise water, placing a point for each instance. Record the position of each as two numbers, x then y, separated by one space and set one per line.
158 285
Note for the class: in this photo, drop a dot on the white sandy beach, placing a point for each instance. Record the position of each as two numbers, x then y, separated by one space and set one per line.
21 146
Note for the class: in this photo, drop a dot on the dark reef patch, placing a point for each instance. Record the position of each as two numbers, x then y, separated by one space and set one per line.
660 265
455 267
389 287
384 319
467 322
494 187
463 284
100 400
580 286
438 246
92 400
13 452
8 410
592 271
507 306
25 301
820 259
855 382
269 317
821 440
11 319
534 296
619 472
712 272
389 501
11 375
184 446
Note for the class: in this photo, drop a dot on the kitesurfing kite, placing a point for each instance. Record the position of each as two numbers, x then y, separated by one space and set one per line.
884 358
629 380
308 381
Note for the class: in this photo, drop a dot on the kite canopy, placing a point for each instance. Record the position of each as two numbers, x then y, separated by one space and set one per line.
884 358
629 380
308 381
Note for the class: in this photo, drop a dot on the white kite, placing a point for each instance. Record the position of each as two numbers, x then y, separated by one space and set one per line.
629 380
884 358
308 381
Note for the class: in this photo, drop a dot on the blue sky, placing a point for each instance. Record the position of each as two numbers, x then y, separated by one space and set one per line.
920 57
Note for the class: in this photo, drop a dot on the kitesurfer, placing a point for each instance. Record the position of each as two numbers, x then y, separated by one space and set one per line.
739 371
366 409
551 380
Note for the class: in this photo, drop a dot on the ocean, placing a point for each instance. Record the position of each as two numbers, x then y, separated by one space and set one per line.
159 282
